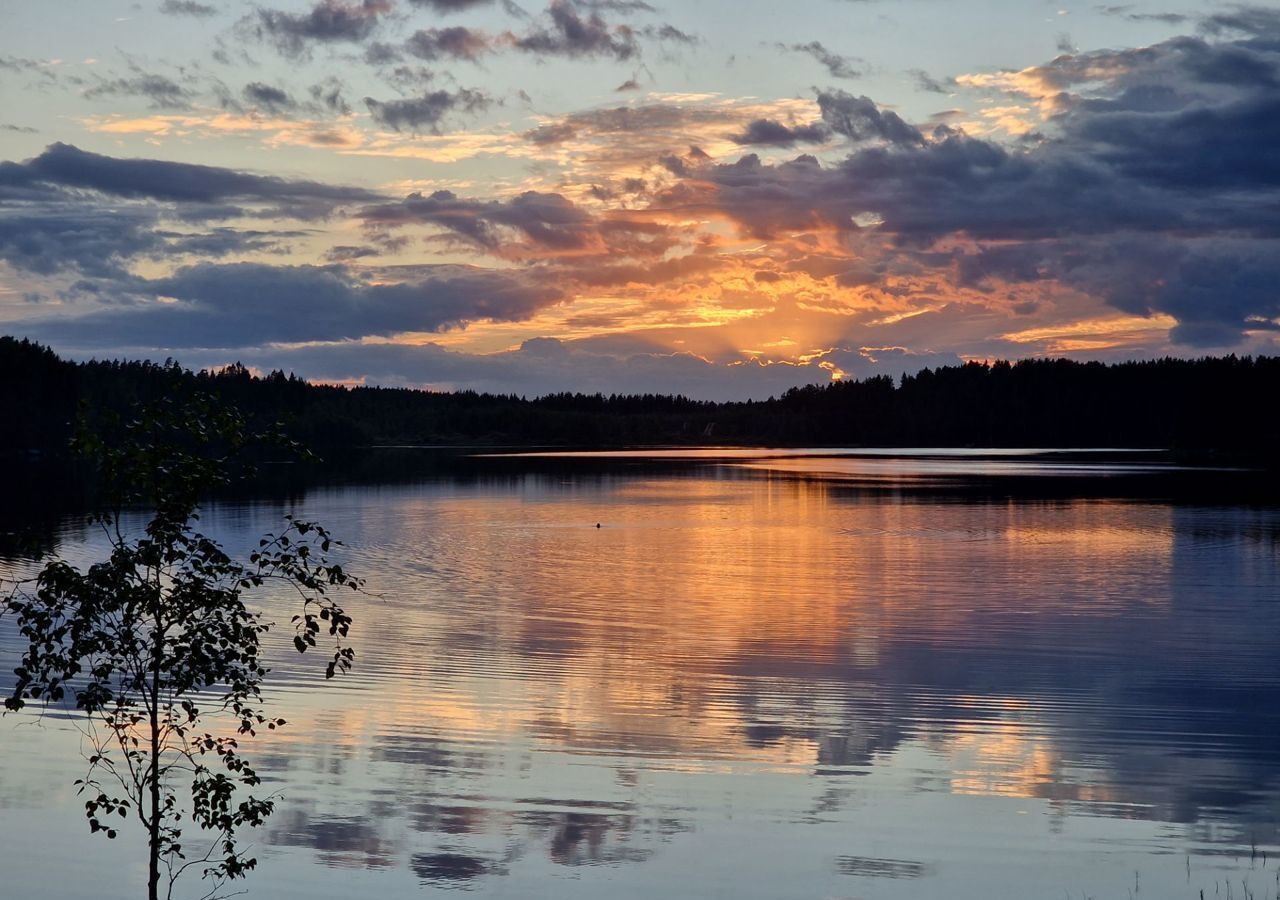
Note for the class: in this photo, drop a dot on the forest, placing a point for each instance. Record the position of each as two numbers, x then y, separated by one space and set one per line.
1221 407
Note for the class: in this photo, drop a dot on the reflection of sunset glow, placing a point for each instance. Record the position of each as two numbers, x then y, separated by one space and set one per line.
657 666
751 645
1002 761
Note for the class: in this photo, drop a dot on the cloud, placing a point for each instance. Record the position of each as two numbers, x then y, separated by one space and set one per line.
1125 11
836 65
772 133
72 237
926 82
1134 185
187 8
457 42
273 99
645 118
530 225
450 6
428 111
101 243
68 210
619 6
546 219
574 29
669 34
351 252
327 95
568 33
162 91
327 22
204 191
859 119
633 140
1253 21
40 69
1153 186
250 304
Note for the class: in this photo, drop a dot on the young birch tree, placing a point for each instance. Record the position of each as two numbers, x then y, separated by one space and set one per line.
157 647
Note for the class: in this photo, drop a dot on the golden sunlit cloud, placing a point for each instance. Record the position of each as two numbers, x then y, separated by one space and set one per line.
1094 334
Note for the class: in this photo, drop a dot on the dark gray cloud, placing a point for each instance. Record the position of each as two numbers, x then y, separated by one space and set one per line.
669 34
187 8
568 32
428 111
53 238
567 28
771 133
217 243
619 6
859 119
249 304
1167 18
327 95
268 97
1126 11
926 82
205 191
456 42
71 211
101 243
450 6
567 240
836 65
350 252
23 65
1260 22
380 53
18 64
327 22
162 91
18 129
547 220
322 100
410 79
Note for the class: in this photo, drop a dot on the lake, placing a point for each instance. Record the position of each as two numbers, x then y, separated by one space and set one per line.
764 675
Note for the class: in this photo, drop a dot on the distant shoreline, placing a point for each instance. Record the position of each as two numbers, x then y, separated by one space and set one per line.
1214 410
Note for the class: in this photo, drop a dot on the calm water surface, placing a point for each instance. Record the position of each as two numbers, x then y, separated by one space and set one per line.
763 676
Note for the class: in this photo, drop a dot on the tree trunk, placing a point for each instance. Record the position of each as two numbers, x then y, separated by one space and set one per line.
153 827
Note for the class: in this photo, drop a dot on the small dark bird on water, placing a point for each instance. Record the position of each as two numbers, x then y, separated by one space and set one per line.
597 524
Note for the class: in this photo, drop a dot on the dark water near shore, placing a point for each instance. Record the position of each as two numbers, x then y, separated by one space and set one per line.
939 674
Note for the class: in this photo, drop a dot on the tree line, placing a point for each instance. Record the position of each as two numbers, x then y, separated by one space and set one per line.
1224 405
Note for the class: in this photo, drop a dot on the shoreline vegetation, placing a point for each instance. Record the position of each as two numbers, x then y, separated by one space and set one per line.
1212 409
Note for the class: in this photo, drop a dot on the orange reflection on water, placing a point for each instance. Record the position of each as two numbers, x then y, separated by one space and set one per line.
724 614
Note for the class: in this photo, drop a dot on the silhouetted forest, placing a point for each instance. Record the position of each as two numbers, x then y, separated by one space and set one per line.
1212 405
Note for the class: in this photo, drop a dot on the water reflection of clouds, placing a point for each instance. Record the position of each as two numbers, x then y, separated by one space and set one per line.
533 688
718 652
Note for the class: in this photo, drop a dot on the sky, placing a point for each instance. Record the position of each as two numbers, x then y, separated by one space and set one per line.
721 198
